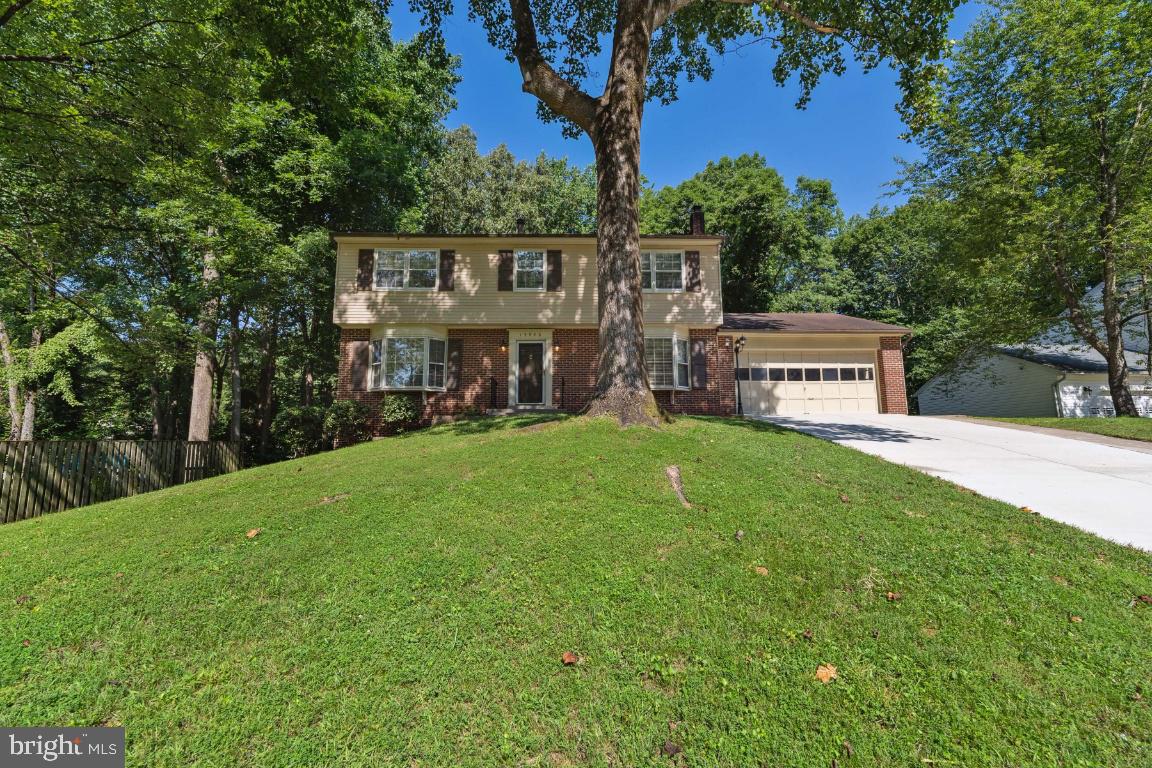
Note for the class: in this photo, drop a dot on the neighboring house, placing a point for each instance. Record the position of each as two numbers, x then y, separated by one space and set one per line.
466 323
1039 380
1054 374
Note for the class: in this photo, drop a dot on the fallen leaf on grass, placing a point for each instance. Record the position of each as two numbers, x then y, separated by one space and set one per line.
671 749
1076 619
26 643
569 658
761 570
894 596
337 497
826 673
23 599
739 535
254 533
807 635
844 498
1146 599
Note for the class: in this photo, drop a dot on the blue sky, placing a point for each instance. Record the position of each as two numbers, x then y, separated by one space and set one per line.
850 132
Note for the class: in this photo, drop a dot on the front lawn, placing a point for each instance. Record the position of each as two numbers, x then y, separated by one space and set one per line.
1129 428
408 603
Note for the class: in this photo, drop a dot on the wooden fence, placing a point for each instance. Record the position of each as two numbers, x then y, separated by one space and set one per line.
41 476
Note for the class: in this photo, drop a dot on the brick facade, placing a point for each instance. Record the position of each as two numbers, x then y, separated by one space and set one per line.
483 375
890 372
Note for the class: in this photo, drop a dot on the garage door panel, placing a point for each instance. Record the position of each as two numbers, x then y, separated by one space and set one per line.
809 381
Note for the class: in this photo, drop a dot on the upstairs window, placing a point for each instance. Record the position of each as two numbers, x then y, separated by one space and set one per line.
667 362
529 270
662 270
414 362
406 269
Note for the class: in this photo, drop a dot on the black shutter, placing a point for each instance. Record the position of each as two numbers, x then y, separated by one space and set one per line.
504 275
447 271
699 364
359 366
692 271
555 279
364 267
455 356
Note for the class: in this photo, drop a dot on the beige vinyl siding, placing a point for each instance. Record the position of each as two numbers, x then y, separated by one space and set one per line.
994 385
476 301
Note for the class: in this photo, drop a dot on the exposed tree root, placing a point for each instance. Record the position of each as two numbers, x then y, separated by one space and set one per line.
673 473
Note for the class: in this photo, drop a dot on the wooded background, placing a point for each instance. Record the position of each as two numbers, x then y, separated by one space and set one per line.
172 170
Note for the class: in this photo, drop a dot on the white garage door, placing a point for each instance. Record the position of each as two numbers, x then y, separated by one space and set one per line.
796 382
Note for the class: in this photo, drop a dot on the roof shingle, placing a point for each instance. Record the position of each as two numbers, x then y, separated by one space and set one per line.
805 322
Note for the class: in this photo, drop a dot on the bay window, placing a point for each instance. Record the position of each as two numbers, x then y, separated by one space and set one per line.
406 269
667 362
662 270
407 362
529 270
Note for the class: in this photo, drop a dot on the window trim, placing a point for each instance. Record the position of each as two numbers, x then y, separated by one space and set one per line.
676 339
383 386
407 269
516 271
653 288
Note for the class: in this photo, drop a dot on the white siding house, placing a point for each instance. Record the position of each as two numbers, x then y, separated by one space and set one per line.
1033 381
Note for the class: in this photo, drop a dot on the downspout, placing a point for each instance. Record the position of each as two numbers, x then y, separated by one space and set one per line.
1056 394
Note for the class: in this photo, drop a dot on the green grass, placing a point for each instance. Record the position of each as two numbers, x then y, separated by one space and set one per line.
421 618
1129 428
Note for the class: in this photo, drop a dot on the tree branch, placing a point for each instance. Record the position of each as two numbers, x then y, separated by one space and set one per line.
540 79
671 6
12 10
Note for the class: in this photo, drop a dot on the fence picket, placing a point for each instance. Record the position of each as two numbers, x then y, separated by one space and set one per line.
38 477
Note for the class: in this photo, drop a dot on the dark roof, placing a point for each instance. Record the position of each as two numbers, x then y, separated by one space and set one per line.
509 235
1072 357
805 322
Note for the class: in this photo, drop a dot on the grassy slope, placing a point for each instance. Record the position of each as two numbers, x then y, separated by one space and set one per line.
1132 429
420 621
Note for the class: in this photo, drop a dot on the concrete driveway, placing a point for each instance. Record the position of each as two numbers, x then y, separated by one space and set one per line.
1104 489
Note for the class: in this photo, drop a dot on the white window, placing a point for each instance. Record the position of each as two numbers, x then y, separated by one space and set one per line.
529 270
682 363
406 269
662 270
667 361
414 362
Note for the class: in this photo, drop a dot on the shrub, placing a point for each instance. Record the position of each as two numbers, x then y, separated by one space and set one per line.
347 421
299 430
398 412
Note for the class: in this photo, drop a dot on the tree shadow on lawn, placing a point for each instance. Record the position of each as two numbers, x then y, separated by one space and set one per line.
831 430
483 424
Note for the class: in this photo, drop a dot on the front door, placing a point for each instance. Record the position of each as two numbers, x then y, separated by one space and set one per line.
530 373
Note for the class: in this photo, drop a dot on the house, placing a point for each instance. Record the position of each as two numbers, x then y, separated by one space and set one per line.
1053 374
468 323
1066 380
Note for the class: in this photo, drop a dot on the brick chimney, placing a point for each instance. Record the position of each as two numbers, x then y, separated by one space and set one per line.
696 221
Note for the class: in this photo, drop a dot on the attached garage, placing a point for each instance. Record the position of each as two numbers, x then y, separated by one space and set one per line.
809 363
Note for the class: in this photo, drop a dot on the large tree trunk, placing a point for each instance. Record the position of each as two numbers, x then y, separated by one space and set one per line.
28 419
200 415
268 384
307 372
237 382
622 388
15 406
1113 322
